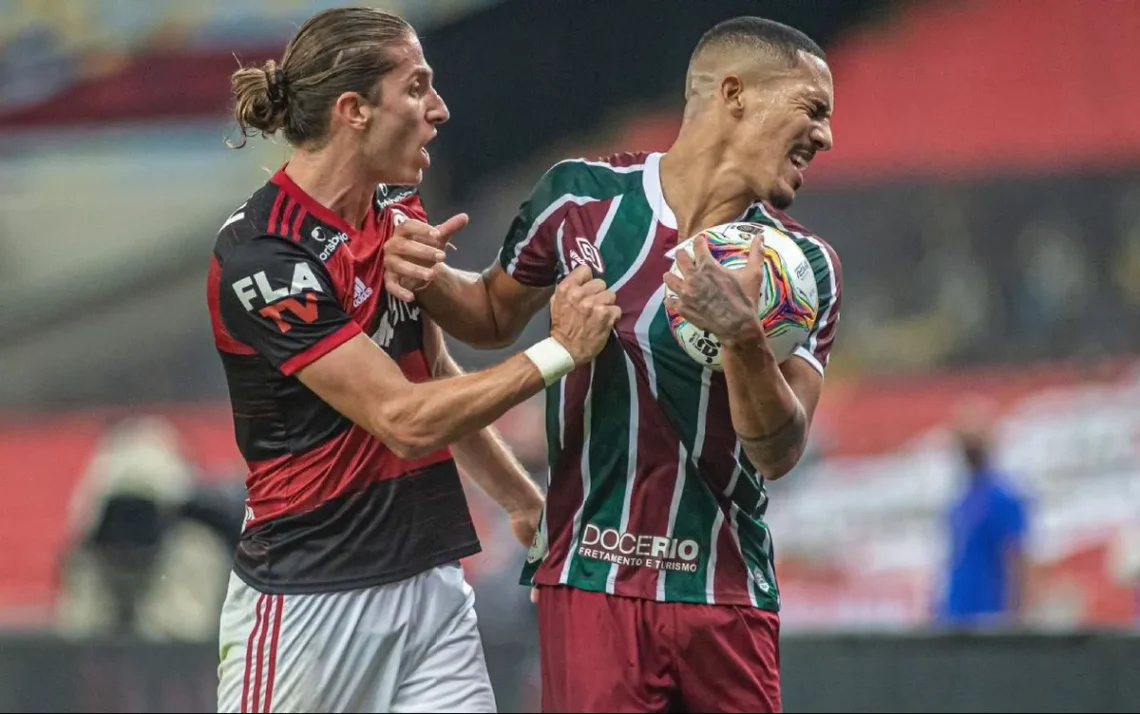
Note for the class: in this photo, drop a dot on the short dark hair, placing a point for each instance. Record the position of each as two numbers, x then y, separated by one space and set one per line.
777 39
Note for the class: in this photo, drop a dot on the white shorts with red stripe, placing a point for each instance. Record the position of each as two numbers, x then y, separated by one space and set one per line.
411 646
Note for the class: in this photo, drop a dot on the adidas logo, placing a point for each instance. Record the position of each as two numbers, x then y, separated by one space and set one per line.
360 293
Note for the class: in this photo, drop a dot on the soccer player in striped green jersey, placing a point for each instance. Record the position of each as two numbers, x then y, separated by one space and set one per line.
653 548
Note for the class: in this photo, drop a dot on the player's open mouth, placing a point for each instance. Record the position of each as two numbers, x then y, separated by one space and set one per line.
423 148
800 158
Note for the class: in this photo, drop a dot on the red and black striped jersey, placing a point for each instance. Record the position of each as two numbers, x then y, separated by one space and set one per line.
329 505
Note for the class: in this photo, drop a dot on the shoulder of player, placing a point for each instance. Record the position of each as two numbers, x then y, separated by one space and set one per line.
809 240
242 255
318 244
268 210
257 227
258 216
600 177
256 251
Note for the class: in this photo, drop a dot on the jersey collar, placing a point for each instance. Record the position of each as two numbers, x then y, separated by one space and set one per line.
317 210
651 185
655 195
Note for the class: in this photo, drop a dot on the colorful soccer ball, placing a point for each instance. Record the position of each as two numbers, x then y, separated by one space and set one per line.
788 301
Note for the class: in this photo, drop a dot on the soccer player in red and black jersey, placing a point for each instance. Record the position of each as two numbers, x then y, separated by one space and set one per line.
346 593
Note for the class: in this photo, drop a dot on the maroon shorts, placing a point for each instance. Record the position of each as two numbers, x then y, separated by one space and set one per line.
602 653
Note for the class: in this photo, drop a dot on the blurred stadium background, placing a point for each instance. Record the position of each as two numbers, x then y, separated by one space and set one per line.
984 194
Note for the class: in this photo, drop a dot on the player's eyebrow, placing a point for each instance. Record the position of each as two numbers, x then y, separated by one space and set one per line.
819 103
422 72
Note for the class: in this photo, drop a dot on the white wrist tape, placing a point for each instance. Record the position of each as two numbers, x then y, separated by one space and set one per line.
552 359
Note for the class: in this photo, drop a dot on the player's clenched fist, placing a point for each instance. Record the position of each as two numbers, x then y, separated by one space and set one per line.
582 314
413 251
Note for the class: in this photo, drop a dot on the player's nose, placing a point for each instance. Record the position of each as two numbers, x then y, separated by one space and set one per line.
438 113
821 136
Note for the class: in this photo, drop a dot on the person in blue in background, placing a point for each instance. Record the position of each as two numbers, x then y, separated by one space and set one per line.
987 522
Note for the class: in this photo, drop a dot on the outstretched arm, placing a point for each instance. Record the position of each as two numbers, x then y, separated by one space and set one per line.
277 299
363 383
366 385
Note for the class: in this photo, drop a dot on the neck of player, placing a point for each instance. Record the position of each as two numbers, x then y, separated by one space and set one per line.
334 180
700 184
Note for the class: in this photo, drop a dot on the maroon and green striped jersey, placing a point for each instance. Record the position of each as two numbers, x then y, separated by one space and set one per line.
650 495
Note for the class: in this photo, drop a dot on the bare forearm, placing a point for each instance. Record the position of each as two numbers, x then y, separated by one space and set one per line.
769 419
459 303
486 460
441 412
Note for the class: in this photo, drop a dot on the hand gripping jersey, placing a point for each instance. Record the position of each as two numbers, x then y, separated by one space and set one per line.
329 505
650 494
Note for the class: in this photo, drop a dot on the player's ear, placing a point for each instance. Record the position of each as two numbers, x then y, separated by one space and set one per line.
353 110
732 94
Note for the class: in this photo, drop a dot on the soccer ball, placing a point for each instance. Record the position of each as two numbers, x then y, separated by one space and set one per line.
788 301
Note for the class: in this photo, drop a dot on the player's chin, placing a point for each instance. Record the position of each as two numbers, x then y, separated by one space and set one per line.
417 166
410 176
782 196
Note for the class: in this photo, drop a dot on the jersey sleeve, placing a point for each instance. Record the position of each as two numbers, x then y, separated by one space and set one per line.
816 349
280 300
530 251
